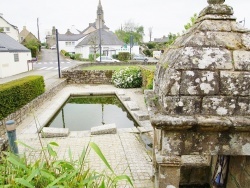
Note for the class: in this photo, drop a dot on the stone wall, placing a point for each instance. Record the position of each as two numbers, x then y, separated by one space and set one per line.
20 115
77 75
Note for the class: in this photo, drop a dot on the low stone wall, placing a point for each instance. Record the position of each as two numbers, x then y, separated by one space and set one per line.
21 114
77 75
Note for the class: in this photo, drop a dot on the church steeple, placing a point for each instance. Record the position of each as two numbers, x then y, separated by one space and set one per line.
100 16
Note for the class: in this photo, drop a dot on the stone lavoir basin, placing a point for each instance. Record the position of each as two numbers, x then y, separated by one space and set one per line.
80 113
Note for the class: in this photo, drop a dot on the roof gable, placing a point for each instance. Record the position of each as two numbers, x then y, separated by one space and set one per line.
107 37
8 44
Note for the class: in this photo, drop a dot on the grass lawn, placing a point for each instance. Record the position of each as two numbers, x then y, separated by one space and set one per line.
115 67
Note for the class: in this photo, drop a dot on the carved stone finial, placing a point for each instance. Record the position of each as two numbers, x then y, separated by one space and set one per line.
215 1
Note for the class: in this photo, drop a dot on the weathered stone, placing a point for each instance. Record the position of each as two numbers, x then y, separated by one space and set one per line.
243 106
235 83
215 25
186 105
50 132
215 1
241 60
236 27
141 116
230 41
213 123
132 106
217 9
203 143
169 82
173 123
246 40
201 58
125 98
199 83
104 129
218 105
240 123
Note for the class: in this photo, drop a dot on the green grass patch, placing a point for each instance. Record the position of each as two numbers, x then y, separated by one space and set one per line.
153 67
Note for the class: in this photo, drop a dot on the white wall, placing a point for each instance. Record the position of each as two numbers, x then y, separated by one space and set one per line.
134 49
9 68
13 33
68 48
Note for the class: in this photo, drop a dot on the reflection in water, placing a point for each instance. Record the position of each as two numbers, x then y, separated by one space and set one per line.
82 113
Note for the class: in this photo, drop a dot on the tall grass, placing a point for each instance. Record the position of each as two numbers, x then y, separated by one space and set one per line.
49 171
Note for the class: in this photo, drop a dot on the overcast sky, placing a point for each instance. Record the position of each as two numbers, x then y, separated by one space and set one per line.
163 16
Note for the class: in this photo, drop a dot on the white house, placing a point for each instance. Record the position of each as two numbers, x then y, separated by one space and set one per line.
8 28
69 41
14 56
90 44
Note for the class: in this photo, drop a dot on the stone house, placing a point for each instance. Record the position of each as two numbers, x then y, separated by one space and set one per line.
200 104
26 35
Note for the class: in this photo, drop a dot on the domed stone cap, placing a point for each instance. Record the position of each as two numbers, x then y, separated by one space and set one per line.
206 72
215 1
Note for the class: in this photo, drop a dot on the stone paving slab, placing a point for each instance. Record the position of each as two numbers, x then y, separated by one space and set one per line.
141 116
104 129
123 150
132 106
51 132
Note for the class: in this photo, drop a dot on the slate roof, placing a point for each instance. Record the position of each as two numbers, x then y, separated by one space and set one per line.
73 37
108 38
8 44
94 25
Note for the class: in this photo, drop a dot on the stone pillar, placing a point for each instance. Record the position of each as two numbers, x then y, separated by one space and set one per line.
169 174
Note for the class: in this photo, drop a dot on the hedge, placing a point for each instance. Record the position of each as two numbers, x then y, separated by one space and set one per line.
17 93
147 78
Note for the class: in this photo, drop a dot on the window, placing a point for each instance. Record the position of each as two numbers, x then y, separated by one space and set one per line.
7 28
16 57
69 43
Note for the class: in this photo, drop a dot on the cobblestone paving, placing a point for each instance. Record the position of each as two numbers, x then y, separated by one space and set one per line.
124 150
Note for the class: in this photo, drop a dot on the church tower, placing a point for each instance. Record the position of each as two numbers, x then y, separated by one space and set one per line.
99 16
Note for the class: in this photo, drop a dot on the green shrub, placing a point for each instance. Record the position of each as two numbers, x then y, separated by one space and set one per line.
72 56
51 171
115 56
151 45
148 53
129 77
17 93
67 54
147 78
91 57
78 57
124 56
63 52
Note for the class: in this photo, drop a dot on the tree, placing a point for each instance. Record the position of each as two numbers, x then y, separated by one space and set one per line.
150 31
130 28
192 21
93 45
33 45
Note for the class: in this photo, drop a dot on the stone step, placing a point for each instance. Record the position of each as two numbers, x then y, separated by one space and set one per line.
132 106
104 129
145 123
141 116
125 98
121 92
145 129
50 132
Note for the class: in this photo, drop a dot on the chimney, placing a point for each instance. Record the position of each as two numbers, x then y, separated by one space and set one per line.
24 27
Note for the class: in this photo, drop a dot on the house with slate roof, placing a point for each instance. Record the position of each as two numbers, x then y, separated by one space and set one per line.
14 56
87 42
68 41
25 36
8 28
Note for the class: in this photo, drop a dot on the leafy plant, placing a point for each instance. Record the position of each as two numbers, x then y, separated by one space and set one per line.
129 77
50 171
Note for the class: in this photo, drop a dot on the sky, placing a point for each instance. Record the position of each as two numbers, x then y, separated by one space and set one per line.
163 16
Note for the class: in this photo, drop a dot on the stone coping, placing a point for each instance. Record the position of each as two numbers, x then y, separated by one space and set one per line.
196 122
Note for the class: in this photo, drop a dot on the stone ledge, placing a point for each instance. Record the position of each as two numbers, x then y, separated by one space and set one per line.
104 129
50 132
141 116
132 106
195 160
124 98
202 123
